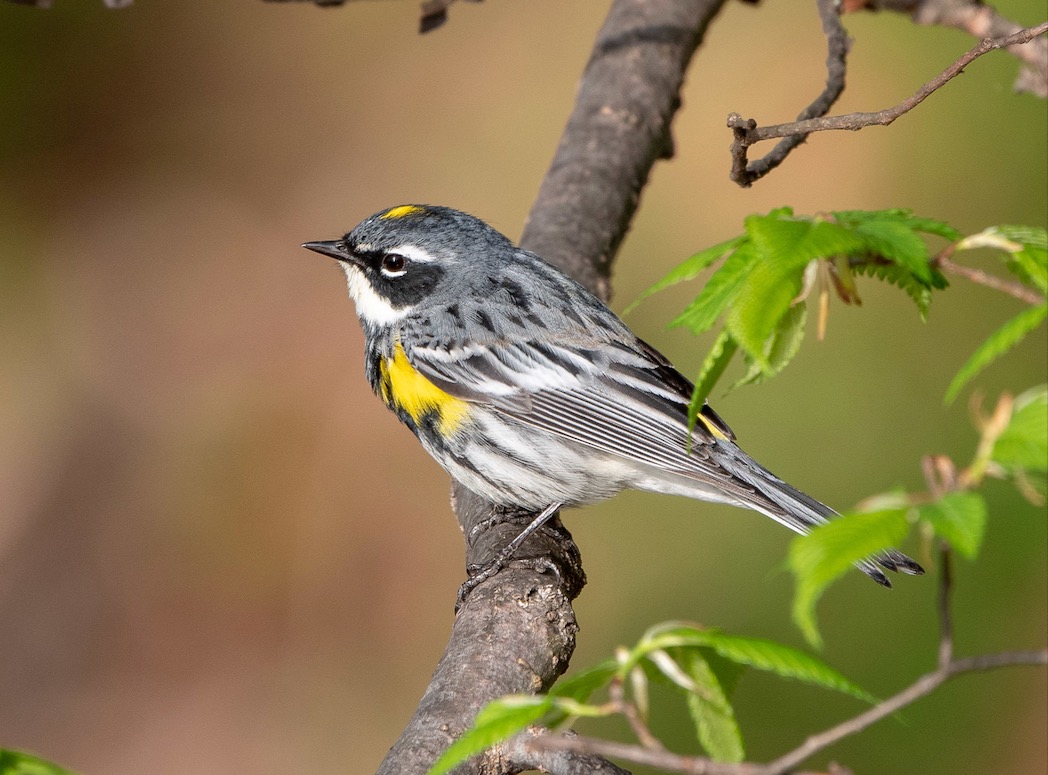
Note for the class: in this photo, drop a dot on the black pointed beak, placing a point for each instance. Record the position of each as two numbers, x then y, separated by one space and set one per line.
334 248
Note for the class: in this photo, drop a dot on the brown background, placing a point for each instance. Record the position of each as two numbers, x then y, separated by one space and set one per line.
218 552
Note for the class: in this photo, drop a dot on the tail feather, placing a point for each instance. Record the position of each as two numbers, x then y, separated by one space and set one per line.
800 512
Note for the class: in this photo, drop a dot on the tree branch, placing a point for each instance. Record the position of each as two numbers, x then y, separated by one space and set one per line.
1015 289
947 669
515 632
978 20
747 133
922 687
836 69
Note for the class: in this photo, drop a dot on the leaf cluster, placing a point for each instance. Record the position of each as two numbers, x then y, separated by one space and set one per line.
704 665
1025 254
766 274
1013 445
764 278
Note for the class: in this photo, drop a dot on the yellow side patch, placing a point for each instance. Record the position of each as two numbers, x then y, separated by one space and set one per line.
405 388
400 212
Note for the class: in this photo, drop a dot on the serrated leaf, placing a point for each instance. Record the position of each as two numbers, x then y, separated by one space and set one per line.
714 717
786 247
1028 236
691 267
895 235
900 277
19 763
959 518
720 290
901 216
782 346
1029 265
497 721
999 342
795 242
784 661
1030 262
825 554
757 653
1023 445
899 243
777 240
760 305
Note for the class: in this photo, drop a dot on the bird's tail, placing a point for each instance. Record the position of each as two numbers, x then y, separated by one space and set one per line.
768 494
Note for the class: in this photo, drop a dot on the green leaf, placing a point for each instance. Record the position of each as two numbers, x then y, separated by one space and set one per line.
999 342
713 367
1026 248
760 305
898 243
794 242
1030 263
1023 445
902 217
720 290
691 267
781 347
757 653
900 277
581 686
714 717
497 721
825 554
784 661
18 763
959 518
786 247
895 235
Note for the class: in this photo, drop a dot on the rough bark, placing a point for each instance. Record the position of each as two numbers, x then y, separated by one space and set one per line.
516 631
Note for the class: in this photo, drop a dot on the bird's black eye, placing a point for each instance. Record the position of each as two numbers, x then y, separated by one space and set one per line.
393 264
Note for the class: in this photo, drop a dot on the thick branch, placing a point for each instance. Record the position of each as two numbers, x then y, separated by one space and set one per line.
617 130
515 632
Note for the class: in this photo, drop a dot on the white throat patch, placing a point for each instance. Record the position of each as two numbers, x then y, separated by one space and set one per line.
371 307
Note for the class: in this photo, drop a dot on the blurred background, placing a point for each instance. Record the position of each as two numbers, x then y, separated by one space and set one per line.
218 551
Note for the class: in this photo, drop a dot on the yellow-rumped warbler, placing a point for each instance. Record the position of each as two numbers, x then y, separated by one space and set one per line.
527 388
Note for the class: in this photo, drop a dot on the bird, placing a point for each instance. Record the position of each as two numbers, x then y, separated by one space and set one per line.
528 389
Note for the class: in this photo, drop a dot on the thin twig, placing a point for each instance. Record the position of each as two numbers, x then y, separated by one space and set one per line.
947 668
746 132
923 686
617 694
837 43
698 765
1018 290
979 20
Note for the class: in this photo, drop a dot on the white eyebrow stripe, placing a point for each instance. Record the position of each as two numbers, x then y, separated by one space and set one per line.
414 253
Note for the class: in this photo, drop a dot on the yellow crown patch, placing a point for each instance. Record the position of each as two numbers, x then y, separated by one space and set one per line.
401 212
